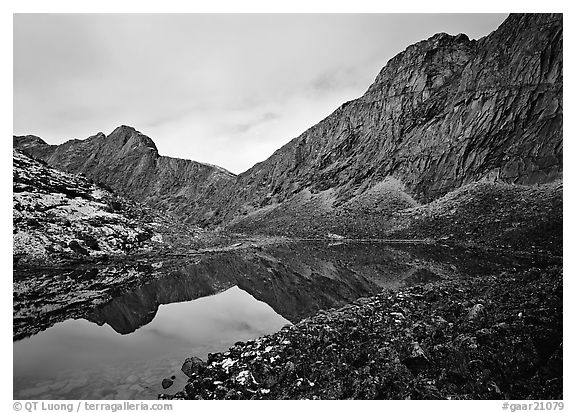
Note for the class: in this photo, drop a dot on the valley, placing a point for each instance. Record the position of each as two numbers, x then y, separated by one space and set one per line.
408 246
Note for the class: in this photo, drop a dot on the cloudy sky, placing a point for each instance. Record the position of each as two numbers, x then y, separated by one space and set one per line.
216 88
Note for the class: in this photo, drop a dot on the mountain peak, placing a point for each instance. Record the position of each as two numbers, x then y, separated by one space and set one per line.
125 129
124 134
423 67
27 140
443 38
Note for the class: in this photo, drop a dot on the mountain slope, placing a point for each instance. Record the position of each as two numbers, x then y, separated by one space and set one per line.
487 214
58 217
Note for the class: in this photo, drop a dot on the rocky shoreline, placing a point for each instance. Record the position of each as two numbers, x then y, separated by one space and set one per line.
489 337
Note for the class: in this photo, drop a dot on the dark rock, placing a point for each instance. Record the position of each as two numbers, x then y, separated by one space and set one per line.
167 383
421 276
193 365
33 223
89 274
115 205
457 366
416 360
77 248
144 236
271 381
91 242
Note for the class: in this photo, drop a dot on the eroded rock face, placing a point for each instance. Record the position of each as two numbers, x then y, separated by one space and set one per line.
445 112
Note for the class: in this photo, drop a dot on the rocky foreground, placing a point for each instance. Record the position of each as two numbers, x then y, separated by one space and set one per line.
489 337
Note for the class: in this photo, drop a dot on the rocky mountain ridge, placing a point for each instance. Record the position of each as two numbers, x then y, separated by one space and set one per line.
446 112
128 162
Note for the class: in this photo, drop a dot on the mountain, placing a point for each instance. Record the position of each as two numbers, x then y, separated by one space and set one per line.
128 162
446 112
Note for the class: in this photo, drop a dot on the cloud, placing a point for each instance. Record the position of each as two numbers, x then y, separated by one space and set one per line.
239 128
338 79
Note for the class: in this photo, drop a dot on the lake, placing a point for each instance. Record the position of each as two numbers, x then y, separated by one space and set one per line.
120 344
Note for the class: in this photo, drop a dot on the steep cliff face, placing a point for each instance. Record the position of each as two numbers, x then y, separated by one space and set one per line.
128 162
446 112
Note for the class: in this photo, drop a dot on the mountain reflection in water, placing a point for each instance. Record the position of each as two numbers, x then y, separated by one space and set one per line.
209 302
77 359
297 282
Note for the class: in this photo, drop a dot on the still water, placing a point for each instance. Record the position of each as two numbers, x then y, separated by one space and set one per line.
123 348
77 359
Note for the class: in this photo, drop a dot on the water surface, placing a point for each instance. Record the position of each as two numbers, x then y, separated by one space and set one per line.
78 359
122 347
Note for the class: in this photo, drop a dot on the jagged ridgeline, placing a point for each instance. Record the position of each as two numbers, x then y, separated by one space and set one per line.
446 113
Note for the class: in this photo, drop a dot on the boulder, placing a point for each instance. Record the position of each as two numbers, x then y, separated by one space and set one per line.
193 365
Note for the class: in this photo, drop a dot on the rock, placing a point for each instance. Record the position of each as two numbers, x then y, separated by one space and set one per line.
91 242
466 341
115 205
475 312
271 380
417 359
167 383
457 366
193 365
77 248
33 223
287 373
144 236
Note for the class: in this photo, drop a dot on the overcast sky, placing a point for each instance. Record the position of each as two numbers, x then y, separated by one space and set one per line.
222 89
